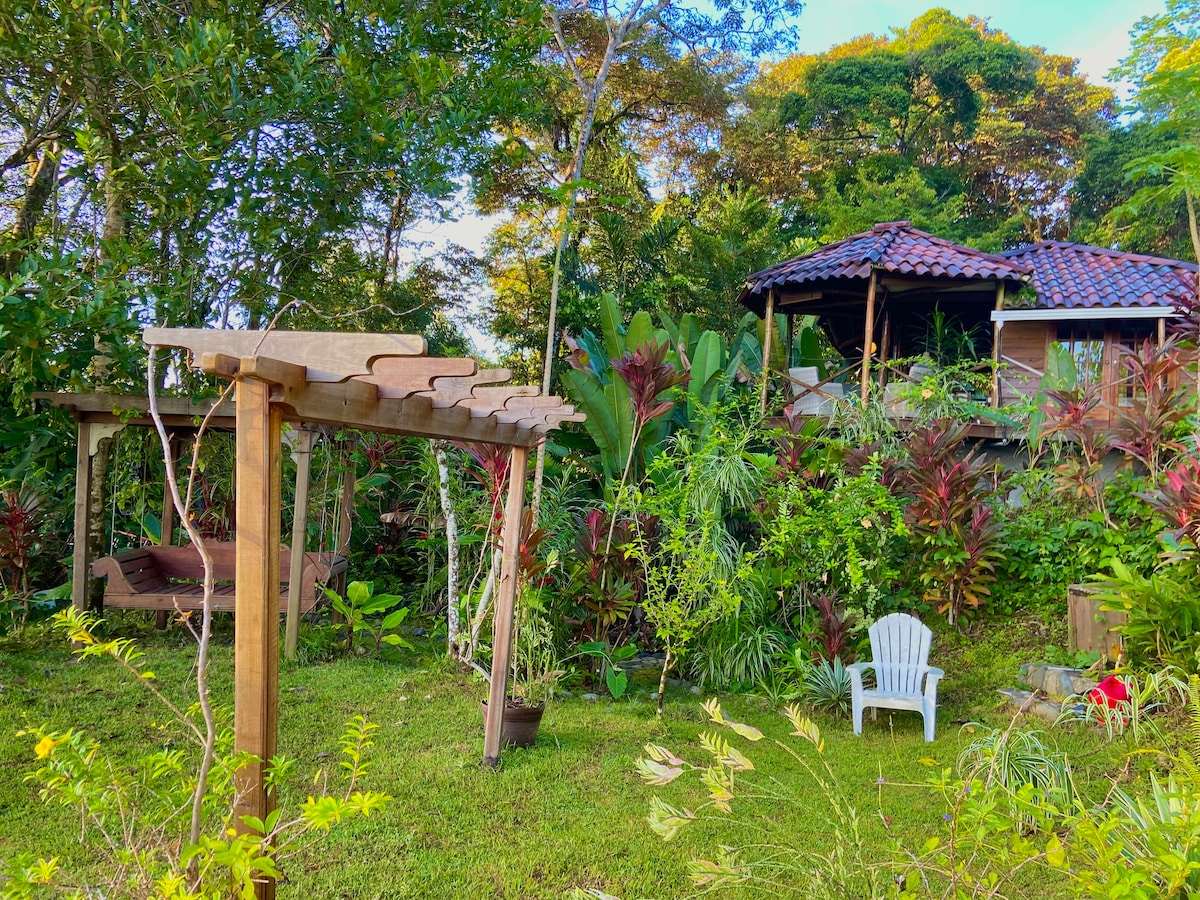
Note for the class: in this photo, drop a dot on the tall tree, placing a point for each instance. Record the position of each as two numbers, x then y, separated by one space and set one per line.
979 135
705 35
184 165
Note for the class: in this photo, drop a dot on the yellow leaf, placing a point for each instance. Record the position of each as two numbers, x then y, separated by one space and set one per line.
1055 855
927 761
970 729
148 675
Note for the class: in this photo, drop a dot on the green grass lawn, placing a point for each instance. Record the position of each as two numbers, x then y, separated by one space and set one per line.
569 812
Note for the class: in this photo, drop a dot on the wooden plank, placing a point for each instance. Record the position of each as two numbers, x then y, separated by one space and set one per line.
506 594
400 378
256 635
83 493
449 391
303 453
483 401
330 405
328 356
1089 628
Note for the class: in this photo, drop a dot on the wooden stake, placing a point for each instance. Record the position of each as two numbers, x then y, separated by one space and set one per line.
768 329
506 598
303 453
868 335
256 573
83 495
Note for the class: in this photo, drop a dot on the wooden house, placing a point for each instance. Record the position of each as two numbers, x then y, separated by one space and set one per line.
878 295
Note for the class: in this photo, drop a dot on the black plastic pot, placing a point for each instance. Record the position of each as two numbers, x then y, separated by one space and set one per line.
520 725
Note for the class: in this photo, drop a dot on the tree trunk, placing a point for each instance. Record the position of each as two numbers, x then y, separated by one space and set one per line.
452 612
662 681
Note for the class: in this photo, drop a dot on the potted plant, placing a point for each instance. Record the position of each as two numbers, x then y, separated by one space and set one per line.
535 674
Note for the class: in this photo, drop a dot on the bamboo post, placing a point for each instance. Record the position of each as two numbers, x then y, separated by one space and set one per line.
256 573
768 329
506 598
997 327
884 341
83 497
791 336
303 454
868 335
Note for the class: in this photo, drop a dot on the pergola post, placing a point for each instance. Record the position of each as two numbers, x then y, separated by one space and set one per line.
80 564
768 328
506 597
256 633
303 453
868 338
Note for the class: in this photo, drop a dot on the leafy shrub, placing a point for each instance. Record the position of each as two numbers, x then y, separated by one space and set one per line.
1162 613
844 539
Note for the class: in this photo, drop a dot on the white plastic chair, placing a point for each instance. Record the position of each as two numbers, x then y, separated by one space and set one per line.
899 659
807 401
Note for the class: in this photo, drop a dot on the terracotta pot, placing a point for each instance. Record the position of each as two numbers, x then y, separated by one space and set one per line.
520 725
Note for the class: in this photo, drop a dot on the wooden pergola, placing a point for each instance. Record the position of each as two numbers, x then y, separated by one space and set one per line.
374 382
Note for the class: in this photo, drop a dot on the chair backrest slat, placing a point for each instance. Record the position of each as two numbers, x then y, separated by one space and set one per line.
899 649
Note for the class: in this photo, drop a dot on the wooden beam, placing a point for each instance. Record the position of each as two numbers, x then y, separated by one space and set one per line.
768 330
868 337
80 564
256 573
303 454
506 595
328 356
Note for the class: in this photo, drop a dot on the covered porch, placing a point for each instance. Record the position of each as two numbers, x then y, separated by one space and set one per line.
885 297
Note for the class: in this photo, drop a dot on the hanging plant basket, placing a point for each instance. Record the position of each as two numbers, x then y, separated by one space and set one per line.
521 723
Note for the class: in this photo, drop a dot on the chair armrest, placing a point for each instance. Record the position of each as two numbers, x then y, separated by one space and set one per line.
931 681
855 671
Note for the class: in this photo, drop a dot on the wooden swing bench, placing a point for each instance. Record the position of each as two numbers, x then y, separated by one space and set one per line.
170 578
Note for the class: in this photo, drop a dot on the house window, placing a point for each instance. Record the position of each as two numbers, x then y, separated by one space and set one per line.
1130 337
1085 342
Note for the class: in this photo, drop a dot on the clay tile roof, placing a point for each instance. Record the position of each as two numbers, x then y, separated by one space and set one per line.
894 247
1076 276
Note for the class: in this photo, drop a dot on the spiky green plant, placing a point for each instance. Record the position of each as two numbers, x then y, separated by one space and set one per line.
827 687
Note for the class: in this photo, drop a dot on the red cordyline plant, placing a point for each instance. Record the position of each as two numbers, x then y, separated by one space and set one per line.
1070 414
20 511
493 461
1145 430
948 514
1177 499
835 628
647 376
